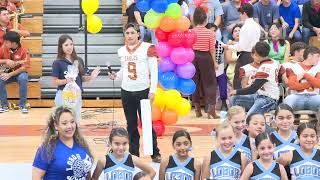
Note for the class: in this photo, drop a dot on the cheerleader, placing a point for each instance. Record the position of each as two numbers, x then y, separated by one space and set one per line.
225 162
264 167
118 164
304 161
237 119
180 165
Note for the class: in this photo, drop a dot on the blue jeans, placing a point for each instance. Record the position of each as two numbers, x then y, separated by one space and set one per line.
22 80
297 36
306 34
226 36
303 102
254 103
59 102
147 32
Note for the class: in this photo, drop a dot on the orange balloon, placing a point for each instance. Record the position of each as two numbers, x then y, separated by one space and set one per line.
167 24
156 113
183 23
169 117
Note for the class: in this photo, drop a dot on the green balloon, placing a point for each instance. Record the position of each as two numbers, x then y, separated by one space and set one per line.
173 10
152 19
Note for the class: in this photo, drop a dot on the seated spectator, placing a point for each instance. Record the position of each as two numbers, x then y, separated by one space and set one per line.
184 7
265 85
289 17
231 17
247 77
231 56
310 19
304 83
15 59
7 25
139 16
130 13
265 13
279 47
214 13
11 7
296 51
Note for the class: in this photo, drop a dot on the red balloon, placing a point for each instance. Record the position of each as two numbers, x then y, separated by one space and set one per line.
161 35
190 37
158 127
176 38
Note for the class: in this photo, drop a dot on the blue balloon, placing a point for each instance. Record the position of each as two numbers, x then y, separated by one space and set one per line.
168 80
159 6
143 5
159 72
186 86
172 1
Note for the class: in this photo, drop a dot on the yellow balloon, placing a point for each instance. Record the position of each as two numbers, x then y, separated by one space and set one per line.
183 107
94 24
172 98
89 7
158 99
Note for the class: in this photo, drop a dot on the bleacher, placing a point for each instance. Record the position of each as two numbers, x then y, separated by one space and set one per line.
47 20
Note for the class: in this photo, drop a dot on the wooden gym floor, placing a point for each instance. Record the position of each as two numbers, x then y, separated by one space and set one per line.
21 134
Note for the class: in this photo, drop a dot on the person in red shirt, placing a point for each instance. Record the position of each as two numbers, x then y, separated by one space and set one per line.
6 25
11 7
14 60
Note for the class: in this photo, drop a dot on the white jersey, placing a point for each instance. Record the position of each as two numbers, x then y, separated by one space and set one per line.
289 65
299 71
137 65
269 70
249 71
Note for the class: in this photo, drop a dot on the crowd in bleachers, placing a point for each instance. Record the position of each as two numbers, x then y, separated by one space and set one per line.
287 27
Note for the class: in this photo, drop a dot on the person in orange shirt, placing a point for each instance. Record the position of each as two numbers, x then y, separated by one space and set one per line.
14 60
304 83
6 25
11 7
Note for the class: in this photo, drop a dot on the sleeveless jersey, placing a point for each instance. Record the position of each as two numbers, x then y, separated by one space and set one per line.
176 170
225 168
303 167
115 170
284 146
244 147
261 173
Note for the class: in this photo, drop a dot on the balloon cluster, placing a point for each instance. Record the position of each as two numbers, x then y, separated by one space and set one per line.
94 23
175 69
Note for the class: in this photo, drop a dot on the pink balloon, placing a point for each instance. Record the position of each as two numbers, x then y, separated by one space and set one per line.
189 54
163 49
179 55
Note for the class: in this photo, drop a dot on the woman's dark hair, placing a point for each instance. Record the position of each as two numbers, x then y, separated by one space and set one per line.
304 126
262 136
249 118
61 55
140 175
181 133
199 16
119 131
283 106
234 27
282 40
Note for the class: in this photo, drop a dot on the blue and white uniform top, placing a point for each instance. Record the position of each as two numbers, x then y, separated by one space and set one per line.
244 147
282 145
176 170
116 170
225 168
261 173
303 167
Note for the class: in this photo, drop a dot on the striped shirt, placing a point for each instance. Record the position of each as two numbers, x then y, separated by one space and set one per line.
205 39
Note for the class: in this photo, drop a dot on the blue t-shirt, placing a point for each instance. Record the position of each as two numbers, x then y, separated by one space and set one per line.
214 9
290 13
68 163
60 69
265 13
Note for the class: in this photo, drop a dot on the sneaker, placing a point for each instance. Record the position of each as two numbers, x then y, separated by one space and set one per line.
24 110
4 109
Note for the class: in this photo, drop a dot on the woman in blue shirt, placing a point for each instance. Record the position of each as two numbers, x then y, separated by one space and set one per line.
64 154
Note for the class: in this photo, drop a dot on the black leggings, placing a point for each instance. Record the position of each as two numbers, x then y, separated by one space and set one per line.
131 105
